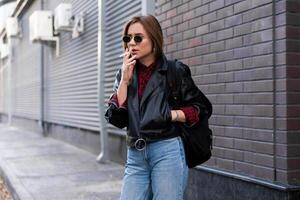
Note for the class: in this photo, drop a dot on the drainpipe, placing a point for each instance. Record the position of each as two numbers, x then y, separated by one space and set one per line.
42 91
9 80
103 156
41 56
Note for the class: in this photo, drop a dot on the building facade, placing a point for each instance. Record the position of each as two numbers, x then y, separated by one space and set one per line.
243 54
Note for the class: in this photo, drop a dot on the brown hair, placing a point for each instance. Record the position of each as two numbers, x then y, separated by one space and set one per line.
153 29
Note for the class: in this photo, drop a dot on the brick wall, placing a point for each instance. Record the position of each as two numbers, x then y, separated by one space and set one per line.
291 143
229 47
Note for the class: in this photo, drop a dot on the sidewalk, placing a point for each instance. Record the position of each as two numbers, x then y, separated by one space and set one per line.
42 168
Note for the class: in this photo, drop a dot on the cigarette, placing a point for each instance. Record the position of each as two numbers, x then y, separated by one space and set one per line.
123 54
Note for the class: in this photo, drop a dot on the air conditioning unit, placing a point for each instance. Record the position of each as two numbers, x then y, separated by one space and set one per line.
41 28
12 27
41 25
63 17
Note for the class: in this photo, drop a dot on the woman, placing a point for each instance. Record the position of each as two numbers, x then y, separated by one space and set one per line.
156 166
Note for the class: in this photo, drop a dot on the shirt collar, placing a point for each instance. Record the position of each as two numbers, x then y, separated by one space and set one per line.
143 67
162 63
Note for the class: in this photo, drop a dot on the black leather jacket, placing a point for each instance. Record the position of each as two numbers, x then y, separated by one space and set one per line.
150 117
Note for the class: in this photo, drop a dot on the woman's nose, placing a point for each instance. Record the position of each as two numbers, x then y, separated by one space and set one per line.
131 42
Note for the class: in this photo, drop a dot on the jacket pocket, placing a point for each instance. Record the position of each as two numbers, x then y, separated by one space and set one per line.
156 113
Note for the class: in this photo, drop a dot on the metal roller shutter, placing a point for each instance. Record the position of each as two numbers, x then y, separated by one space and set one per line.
116 14
72 93
26 72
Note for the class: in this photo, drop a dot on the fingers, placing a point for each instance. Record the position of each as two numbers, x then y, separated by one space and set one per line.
128 65
127 53
132 63
132 58
127 60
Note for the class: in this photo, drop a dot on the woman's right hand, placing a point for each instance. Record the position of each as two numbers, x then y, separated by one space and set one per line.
127 67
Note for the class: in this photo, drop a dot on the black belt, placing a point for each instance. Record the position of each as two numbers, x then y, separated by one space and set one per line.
141 142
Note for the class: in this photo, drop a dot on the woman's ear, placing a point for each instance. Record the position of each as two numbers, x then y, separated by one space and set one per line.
153 48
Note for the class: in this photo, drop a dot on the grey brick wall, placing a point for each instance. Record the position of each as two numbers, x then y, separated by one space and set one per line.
290 145
230 47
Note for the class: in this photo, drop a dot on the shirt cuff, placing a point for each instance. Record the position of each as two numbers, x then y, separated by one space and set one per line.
191 115
114 100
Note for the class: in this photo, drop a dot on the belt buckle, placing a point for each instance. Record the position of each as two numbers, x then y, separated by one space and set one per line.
140 144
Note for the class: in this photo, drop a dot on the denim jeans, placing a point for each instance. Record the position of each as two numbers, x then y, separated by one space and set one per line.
158 172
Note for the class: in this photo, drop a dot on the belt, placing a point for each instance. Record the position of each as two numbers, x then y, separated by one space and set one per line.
139 143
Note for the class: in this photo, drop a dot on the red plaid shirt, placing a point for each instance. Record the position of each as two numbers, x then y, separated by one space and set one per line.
144 73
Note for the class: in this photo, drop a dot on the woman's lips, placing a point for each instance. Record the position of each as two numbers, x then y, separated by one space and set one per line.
134 52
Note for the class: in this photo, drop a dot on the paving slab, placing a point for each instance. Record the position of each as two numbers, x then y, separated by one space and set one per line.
42 168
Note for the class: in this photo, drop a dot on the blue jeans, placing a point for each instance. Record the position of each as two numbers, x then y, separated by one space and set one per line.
158 172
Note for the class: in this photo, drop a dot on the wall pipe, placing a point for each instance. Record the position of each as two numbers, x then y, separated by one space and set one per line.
42 97
103 156
9 80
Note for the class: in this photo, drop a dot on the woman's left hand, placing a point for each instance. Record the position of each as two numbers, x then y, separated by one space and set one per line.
177 116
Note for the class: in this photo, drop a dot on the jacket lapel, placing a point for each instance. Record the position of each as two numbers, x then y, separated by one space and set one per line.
155 80
152 84
132 96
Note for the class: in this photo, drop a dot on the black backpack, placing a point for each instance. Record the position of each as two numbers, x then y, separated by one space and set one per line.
197 140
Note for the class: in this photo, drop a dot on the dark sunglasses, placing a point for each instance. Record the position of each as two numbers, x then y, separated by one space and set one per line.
136 38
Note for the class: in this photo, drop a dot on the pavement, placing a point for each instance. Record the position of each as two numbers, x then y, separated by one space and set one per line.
42 168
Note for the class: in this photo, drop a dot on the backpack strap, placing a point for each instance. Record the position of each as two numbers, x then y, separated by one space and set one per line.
173 82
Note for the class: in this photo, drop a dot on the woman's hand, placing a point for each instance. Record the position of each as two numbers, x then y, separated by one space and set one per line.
127 67
127 73
177 116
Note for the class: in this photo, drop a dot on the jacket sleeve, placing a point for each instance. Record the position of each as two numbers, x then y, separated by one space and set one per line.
116 115
191 114
190 94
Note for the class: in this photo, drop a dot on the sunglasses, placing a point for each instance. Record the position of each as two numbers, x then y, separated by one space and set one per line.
136 38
